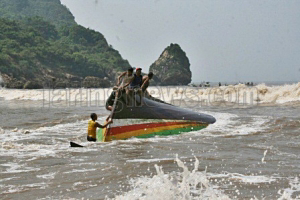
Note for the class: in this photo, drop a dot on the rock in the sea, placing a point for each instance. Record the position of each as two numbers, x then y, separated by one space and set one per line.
95 82
172 67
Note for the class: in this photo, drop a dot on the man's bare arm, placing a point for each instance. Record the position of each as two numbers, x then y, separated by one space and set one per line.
103 126
124 86
119 78
145 82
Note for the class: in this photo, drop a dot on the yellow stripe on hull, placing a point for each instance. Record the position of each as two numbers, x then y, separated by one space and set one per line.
146 131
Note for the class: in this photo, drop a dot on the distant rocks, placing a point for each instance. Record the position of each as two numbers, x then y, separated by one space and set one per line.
14 83
172 67
34 84
10 82
21 83
95 82
56 83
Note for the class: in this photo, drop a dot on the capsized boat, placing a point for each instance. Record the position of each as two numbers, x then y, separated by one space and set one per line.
152 117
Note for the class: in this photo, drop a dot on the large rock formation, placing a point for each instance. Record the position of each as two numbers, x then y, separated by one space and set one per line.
172 67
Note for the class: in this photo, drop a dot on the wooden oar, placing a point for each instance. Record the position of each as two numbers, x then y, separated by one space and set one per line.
114 105
111 113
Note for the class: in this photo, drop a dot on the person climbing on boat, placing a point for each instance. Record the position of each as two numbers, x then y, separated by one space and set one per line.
127 78
137 80
146 81
92 127
135 85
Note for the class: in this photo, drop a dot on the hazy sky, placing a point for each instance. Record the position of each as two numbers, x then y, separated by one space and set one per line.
225 40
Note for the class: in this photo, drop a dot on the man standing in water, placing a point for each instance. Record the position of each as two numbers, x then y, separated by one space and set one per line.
92 127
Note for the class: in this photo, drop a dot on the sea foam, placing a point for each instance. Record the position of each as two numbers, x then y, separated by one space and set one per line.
182 95
187 185
194 184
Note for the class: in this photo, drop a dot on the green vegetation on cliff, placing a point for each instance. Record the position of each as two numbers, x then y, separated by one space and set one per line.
51 10
40 41
35 50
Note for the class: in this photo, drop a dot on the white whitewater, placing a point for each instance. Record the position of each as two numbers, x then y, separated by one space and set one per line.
195 184
239 94
251 152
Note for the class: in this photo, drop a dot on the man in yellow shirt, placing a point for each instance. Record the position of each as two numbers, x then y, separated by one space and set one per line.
92 127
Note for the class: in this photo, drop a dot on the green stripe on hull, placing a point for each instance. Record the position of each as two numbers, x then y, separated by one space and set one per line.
172 132
161 133
99 135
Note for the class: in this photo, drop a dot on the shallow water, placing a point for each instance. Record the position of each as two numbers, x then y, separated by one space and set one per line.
252 151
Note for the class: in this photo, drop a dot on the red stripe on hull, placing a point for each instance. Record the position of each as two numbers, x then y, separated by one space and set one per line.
135 127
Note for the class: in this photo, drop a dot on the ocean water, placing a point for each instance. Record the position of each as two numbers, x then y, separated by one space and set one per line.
251 152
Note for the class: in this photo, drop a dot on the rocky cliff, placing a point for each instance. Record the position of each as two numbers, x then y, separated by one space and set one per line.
172 67
51 49
42 46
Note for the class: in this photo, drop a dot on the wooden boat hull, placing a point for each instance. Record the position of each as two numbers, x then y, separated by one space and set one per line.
124 129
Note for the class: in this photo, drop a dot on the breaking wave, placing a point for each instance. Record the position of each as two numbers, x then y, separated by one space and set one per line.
2 131
240 94
187 185
197 184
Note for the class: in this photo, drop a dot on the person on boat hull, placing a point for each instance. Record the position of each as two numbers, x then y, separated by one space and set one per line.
127 80
135 85
137 80
146 82
92 127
